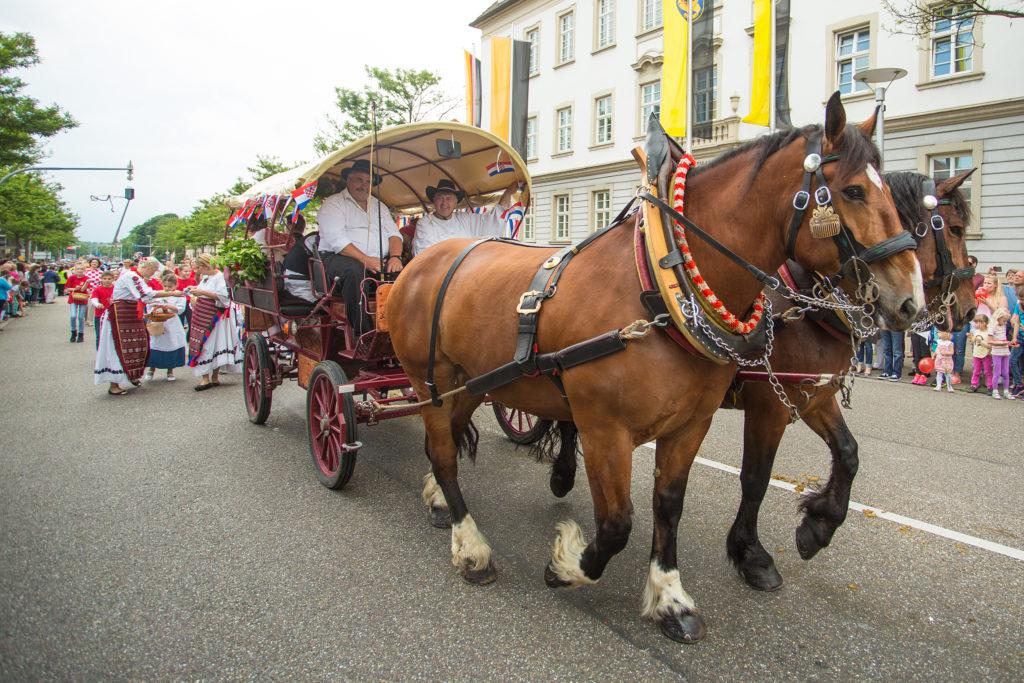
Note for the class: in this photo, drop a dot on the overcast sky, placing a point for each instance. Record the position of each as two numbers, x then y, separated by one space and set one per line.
192 91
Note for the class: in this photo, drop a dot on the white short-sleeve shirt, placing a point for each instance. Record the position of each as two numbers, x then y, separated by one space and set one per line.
343 222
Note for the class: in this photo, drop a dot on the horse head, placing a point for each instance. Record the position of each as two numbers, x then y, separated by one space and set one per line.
849 202
936 215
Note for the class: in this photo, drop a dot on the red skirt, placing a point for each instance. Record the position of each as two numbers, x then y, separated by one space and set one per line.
131 341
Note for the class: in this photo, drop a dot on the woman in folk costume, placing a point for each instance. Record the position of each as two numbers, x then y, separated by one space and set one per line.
167 349
212 336
124 342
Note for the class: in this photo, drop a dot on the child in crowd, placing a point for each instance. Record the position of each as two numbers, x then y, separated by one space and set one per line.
99 299
167 350
943 357
980 353
1000 350
77 288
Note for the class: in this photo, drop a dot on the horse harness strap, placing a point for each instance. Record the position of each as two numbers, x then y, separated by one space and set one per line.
945 268
527 362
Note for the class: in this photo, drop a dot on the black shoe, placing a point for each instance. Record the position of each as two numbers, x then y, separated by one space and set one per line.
973 390
81 338
73 337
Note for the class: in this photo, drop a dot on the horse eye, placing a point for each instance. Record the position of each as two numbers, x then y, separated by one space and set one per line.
957 230
855 193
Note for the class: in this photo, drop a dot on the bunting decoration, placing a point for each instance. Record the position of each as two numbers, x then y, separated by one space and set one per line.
513 217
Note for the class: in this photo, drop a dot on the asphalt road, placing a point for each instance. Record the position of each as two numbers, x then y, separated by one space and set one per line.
161 536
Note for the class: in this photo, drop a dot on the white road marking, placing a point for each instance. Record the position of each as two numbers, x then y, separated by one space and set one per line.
928 527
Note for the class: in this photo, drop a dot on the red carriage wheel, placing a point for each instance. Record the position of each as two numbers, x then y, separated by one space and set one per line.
256 366
519 426
331 425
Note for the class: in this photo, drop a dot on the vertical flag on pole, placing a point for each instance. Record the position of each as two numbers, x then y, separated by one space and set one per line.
674 68
473 93
782 63
520 78
760 77
501 81
702 80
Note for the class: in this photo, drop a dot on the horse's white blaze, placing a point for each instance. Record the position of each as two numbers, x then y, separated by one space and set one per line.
469 547
566 553
918 281
664 594
432 494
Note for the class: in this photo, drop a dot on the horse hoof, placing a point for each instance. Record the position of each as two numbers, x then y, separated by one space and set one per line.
767 579
479 577
560 486
807 543
683 628
440 518
552 580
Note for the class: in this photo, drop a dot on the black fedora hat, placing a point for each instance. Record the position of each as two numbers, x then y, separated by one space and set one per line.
445 185
360 165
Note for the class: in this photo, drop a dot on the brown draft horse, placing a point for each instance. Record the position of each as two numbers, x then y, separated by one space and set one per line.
653 390
805 347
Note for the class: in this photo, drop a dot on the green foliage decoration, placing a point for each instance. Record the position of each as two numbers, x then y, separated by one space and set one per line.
243 258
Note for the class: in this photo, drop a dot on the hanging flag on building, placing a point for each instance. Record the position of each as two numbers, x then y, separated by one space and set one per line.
513 217
510 85
782 64
474 102
760 77
674 98
703 79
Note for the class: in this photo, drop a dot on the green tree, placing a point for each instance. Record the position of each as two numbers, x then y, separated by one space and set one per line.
917 17
402 96
32 210
22 121
144 233
264 167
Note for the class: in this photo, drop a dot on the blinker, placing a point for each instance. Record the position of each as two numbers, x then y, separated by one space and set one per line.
812 162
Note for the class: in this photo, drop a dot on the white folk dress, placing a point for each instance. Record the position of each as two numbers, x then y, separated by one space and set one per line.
129 286
167 351
222 350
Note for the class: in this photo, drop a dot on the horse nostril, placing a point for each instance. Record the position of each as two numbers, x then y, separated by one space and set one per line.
909 308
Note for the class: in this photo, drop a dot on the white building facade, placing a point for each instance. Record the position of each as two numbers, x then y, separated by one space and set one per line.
595 76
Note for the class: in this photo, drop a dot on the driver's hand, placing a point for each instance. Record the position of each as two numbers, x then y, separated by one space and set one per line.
372 264
394 265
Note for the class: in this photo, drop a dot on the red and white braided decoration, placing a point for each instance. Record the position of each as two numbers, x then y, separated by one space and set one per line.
730 320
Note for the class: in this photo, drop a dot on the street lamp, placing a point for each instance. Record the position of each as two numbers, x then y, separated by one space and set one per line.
875 77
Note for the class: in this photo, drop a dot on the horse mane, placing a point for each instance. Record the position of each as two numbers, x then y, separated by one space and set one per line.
908 195
856 150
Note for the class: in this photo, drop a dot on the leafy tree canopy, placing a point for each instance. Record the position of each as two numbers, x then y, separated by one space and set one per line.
401 95
31 209
23 122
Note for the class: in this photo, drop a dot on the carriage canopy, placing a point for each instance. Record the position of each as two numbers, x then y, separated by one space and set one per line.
409 158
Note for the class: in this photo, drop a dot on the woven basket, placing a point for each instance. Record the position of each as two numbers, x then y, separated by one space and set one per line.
162 313
154 328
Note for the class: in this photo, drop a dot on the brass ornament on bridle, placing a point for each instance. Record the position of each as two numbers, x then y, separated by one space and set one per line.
825 221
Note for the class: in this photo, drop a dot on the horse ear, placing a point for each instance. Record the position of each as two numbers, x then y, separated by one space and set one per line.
868 126
835 119
947 186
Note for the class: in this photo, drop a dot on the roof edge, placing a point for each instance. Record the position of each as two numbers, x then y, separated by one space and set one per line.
492 11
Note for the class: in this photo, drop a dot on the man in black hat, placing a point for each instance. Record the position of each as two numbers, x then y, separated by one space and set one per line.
444 223
353 226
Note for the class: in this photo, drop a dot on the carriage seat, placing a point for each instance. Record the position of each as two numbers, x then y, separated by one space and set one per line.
292 306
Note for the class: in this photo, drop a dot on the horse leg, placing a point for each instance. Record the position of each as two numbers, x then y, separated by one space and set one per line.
466 437
607 453
563 469
825 510
471 553
664 599
763 427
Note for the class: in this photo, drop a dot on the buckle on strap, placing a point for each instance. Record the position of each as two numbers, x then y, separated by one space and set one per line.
801 199
536 305
823 195
937 222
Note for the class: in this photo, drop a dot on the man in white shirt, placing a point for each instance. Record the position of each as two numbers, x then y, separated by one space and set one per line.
445 224
353 226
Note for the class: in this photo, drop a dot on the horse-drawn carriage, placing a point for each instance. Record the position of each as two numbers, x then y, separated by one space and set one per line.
354 378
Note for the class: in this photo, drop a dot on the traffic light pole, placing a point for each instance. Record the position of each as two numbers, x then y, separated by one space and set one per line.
129 168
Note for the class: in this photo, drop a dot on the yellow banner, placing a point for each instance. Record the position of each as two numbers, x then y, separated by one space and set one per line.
673 70
471 86
760 77
501 85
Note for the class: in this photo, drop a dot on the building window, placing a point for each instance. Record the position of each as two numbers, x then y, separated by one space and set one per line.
531 137
566 29
650 14
605 13
944 166
561 223
601 201
705 95
603 120
564 118
650 102
533 38
853 54
952 42
528 225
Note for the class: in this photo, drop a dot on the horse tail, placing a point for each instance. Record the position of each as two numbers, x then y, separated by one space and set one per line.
466 441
